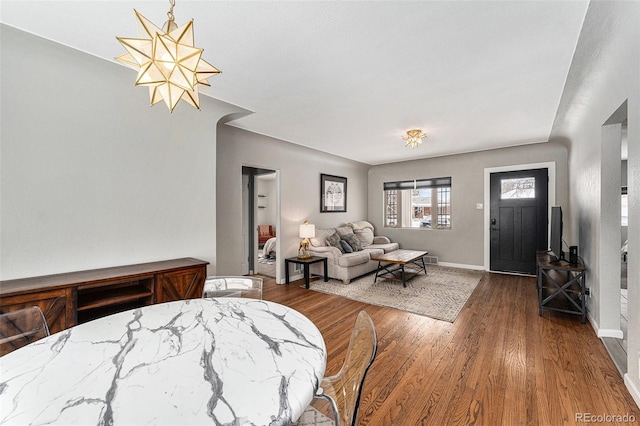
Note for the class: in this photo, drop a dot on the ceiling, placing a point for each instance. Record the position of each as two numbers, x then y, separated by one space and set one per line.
350 78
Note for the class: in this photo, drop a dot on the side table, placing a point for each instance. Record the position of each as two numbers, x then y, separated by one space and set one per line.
305 263
561 287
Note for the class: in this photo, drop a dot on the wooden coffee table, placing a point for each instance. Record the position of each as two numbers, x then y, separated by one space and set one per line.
401 258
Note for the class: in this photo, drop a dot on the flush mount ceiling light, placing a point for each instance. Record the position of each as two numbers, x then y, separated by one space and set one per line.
414 138
167 61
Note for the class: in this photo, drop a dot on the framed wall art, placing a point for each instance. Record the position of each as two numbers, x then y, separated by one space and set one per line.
333 194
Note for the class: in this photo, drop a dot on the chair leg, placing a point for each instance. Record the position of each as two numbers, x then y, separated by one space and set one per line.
334 407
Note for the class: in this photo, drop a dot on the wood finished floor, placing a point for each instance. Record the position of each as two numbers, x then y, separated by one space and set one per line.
499 363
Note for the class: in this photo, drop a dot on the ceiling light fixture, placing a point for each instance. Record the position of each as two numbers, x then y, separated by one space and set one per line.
167 61
414 138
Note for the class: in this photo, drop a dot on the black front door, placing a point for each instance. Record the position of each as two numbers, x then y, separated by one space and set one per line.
519 217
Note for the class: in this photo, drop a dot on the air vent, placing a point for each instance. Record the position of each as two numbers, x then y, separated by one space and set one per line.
431 260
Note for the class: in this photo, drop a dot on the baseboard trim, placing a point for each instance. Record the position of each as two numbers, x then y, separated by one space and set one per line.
610 332
461 266
292 278
633 389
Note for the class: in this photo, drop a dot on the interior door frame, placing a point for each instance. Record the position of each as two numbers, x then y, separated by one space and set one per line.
551 168
252 232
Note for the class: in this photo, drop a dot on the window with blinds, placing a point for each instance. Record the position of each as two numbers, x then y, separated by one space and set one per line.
420 203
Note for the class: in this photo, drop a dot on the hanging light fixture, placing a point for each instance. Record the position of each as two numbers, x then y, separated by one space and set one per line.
414 138
167 61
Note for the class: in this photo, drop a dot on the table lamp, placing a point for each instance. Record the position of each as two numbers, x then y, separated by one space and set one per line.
306 231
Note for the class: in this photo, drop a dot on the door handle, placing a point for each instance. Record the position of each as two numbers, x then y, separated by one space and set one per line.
493 221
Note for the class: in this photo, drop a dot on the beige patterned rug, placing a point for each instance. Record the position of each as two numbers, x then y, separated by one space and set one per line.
441 294
313 417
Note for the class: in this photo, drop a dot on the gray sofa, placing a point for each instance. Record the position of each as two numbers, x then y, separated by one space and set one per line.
342 264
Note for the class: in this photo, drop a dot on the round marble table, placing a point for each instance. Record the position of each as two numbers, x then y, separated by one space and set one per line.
200 361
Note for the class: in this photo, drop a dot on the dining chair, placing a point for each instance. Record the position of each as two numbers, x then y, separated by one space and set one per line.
21 327
249 287
343 389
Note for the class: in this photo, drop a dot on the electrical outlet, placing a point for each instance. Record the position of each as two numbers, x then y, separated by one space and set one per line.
297 268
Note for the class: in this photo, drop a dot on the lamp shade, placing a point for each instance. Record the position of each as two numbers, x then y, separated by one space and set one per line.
307 230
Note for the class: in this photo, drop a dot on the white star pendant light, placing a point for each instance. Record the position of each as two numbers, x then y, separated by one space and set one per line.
167 61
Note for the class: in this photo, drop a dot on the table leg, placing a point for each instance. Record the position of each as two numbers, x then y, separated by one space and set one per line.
404 281
539 293
286 272
306 275
377 271
424 266
326 270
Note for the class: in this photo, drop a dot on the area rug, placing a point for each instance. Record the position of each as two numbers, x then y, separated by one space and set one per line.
313 417
441 294
266 266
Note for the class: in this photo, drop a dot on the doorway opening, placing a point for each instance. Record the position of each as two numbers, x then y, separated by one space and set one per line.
614 238
624 224
260 221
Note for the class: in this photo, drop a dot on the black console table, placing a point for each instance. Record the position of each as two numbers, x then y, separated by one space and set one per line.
561 286
305 263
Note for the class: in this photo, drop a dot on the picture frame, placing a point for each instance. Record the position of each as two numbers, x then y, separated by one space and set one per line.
333 194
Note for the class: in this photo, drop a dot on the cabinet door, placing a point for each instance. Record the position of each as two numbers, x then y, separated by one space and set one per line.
56 305
182 284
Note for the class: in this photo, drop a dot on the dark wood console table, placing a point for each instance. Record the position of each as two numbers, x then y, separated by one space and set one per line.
561 286
72 298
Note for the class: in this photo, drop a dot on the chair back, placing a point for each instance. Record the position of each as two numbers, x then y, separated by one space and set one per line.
264 230
249 287
21 327
344 388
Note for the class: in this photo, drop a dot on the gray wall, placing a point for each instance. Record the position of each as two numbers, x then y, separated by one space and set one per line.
299 171
603 75
91 176
464 243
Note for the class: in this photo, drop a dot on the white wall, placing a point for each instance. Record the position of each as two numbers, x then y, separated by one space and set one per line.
604 74
91 176
266 187
299 169
463 244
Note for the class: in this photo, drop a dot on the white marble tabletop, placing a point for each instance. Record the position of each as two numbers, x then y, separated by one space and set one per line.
201 361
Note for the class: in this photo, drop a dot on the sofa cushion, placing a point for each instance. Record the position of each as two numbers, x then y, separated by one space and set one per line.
320 240
365 235
355 258
346 247
353 241
374 252
386 247
360 225
334 241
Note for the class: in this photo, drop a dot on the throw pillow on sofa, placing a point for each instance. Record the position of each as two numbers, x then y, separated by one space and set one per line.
353 241
365 236
364 231
334 241
346 247
320 240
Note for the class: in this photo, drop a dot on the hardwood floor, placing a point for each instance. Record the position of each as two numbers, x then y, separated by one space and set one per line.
499 363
